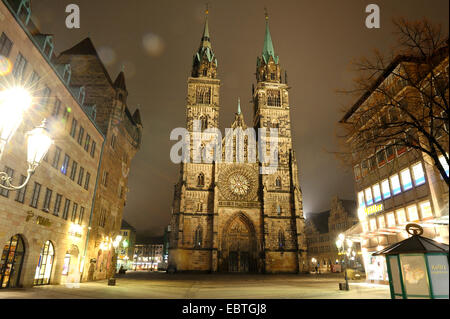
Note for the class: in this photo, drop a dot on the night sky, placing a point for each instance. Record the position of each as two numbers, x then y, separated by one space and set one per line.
155 41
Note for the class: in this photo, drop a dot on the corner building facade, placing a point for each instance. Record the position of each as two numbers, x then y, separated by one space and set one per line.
227 217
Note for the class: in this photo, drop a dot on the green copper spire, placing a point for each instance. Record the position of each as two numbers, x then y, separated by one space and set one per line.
268 45
239 105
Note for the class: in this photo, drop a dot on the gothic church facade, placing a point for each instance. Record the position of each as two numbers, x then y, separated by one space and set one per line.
227 217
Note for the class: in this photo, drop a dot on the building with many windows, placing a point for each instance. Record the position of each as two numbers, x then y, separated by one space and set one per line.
60 227
122 130
322 230
43 226
397 185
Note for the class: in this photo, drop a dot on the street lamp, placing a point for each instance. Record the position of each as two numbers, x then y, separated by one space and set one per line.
38 142
340 244
13 104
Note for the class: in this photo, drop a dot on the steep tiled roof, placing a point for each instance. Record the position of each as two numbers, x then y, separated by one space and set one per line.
320 220
125 225
86 47
350 207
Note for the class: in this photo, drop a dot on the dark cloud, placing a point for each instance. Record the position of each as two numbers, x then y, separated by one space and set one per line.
315 40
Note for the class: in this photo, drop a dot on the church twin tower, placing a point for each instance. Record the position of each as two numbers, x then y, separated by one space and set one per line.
227 216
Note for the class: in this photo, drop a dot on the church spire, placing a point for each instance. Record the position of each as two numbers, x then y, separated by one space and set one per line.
239 106
268 50
205 61
267 65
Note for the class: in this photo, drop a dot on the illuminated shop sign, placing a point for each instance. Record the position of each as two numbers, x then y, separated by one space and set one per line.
76 230
373 209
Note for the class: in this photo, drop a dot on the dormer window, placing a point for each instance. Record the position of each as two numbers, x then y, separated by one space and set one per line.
48 47
67 73
24 11
81 95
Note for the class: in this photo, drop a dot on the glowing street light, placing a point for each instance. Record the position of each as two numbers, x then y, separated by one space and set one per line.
38 142
13 103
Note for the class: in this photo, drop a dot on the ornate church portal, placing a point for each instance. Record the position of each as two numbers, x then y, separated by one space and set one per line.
239 247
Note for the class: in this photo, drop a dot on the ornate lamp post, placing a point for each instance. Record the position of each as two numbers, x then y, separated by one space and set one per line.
13 103
341 246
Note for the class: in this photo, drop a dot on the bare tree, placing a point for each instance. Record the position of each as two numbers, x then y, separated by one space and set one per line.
403 99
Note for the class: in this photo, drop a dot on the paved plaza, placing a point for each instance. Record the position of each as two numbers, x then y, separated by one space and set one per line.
148 285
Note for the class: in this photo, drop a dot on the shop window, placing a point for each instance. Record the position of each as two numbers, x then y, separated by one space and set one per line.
361 199
66 265
376 192
406 179
381 157
45 264
419 176
11 262
368 193
412 213
444 163
395 183
373 224
401 216
381 222
385 189
390 219
425 210
365 227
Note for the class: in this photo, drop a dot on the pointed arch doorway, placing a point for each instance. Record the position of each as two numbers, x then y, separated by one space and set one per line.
239 245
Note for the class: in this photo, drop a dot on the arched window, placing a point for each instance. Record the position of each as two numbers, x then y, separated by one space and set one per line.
273 98
281 240
198 237
11 262
45 264
205 72
204 122
278 182
203 95
201 180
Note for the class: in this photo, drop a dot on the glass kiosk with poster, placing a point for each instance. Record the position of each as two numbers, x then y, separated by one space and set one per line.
417 267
